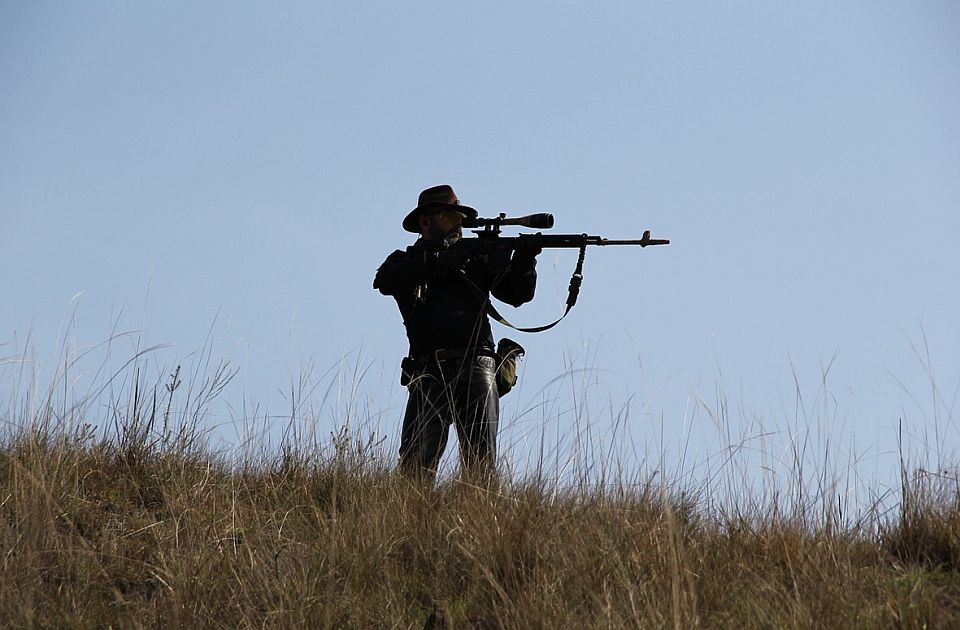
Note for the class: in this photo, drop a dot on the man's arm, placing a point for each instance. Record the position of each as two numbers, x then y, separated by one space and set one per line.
517 286
398 273
401 271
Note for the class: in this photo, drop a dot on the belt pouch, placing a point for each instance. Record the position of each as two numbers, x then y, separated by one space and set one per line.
508 356
407 367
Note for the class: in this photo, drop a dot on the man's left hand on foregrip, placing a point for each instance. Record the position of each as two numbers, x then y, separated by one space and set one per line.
526 251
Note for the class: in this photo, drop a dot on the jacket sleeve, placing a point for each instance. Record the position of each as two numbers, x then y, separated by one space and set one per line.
517 286
398 273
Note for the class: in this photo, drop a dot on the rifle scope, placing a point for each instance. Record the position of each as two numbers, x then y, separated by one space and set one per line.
540 220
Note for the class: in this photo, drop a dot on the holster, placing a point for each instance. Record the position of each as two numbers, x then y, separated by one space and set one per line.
408 367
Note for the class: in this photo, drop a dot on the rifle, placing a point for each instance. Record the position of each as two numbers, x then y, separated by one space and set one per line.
496 251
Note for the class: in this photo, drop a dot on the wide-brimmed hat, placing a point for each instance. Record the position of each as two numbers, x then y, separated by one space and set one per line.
436 199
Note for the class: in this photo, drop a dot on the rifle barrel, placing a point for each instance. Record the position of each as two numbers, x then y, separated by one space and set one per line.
578 240
643 242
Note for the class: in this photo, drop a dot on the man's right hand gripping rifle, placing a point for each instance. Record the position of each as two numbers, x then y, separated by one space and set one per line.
451 262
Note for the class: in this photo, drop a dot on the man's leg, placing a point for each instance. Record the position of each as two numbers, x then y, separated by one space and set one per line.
478 416
423 437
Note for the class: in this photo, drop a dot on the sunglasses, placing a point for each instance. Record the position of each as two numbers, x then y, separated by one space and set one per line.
448 214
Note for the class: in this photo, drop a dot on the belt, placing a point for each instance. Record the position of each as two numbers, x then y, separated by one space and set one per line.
444 354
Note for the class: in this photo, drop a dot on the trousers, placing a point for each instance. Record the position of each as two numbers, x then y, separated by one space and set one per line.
461 393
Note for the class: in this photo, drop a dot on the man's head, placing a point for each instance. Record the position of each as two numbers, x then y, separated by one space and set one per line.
438 214
441 224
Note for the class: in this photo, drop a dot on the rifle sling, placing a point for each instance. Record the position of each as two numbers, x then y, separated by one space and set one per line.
573 291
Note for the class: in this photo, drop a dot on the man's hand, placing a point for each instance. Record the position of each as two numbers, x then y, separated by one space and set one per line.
526 252
451 262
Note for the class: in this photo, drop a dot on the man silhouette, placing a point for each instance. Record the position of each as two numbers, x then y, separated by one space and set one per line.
450 370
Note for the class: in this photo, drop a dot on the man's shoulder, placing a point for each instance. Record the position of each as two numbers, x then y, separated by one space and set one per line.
395 256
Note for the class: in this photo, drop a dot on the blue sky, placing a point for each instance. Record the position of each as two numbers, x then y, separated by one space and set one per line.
244 167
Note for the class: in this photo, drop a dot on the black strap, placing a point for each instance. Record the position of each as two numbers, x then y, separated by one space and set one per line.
573 291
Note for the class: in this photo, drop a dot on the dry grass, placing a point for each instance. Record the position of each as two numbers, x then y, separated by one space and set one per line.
146 525
95 535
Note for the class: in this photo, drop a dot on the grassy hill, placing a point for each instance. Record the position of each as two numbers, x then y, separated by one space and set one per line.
136 530
143 524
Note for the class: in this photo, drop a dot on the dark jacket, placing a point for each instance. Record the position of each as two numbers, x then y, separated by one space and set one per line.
441 310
